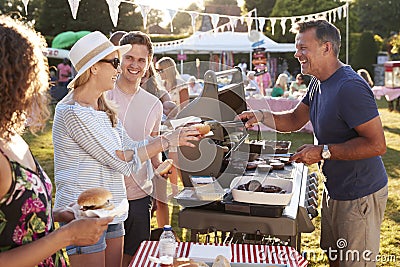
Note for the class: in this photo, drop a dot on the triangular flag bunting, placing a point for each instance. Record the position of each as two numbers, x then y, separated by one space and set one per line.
74 4
261 23
214 20
144 10
113 7
339 10
26 6
273 21
193 16
171 13
249 21
283 25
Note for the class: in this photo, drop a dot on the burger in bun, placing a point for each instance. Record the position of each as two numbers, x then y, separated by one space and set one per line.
221 261
202 128
164 167
95 199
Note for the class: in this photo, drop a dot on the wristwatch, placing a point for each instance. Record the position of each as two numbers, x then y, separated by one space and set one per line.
326 154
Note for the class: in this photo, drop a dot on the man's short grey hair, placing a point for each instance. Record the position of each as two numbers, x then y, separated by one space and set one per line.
324 30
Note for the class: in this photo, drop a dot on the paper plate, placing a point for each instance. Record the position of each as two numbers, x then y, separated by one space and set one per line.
119 210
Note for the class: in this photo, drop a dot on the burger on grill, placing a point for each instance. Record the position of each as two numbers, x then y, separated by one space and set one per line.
95 198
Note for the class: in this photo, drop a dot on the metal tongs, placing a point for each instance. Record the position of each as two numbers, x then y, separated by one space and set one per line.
236 146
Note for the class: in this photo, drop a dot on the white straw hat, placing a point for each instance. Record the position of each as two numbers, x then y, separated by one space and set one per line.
89 50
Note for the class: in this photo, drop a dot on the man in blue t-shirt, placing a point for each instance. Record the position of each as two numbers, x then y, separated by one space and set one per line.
350 142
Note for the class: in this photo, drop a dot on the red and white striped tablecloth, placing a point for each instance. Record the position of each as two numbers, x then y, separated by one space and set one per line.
243 253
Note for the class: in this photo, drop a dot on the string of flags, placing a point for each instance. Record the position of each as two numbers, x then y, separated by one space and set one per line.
146 6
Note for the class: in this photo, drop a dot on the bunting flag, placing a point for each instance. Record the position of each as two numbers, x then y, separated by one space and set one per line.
283 25
339 12
345 10
26 6
261 23
214 20
172 13
113 7
193 16
74 4
233 22
144 10
273 21
249 21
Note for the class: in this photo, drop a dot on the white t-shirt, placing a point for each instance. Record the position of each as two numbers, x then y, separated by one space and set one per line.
141 114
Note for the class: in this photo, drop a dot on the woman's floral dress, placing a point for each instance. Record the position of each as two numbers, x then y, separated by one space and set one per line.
25 211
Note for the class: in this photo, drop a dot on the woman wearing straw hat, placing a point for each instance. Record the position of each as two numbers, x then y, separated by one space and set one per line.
91 147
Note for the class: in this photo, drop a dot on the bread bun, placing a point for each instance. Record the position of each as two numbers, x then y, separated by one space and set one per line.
202 128
186 262
95 198
221 261
164 167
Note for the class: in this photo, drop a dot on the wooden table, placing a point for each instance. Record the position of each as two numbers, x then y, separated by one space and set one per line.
241 253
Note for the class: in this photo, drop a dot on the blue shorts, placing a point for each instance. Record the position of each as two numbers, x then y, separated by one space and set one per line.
113 231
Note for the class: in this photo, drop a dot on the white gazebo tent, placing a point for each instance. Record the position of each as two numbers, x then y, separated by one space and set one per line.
206 42
210 42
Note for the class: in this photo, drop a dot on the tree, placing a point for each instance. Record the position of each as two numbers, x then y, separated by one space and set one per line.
183 22
264 8
379 16
366 52
154 17
16 8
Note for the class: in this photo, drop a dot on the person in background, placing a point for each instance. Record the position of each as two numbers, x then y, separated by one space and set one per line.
194 87
264 81
298 85
243 65
179 92
92 148
148 81
140 112
251 83
280 85
172 81
365 74
27 232
64 72
349 143
53 75
115 37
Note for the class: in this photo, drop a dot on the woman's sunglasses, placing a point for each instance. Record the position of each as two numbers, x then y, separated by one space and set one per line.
160 70
115 62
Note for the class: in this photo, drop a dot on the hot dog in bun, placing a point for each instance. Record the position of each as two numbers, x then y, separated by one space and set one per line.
164 167
95 198
202 128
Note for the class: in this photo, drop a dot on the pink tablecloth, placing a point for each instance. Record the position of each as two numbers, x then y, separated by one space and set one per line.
242 253
389 93
275 104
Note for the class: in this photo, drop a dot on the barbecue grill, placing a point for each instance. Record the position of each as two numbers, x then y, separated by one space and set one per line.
224 156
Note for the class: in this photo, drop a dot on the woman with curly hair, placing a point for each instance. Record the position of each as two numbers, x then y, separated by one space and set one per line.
27 233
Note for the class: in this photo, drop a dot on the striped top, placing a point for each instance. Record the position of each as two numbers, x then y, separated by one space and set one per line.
84 154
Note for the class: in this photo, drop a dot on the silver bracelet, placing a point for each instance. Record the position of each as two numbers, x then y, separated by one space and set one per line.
168 143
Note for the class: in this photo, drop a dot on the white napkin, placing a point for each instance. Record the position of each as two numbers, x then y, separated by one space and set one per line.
179 122
119 210
208 253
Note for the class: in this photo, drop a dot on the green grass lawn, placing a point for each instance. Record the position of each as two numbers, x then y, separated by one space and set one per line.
42 147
